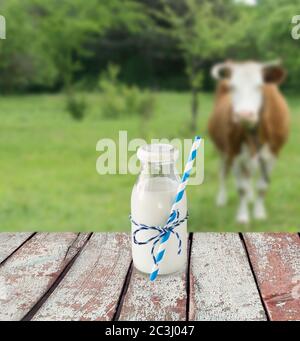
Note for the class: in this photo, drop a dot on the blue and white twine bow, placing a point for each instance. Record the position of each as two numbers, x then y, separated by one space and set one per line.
162 232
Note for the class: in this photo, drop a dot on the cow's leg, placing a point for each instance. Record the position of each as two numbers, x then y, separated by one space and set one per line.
224 169
243 183
248 166
267 160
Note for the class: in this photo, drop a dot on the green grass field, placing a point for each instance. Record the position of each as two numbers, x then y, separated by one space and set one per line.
48 179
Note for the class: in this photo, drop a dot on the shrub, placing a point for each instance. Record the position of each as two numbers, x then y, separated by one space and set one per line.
76 107
146 105
120 99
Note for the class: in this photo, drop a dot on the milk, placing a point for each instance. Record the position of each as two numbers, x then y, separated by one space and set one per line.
151 202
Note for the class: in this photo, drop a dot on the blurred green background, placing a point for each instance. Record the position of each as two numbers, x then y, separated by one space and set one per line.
74 71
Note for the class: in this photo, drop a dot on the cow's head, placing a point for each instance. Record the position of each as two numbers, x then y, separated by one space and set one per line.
245 81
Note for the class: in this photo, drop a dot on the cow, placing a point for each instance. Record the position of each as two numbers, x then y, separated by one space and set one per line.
249 125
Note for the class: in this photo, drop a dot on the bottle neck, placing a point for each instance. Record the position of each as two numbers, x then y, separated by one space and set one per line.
150 169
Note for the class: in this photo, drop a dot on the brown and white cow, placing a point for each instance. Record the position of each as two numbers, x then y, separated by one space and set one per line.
249 125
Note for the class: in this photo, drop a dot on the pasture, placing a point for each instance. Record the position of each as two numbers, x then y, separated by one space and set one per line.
48 180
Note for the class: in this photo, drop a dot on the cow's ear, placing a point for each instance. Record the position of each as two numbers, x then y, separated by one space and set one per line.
274 74
225 72
221 71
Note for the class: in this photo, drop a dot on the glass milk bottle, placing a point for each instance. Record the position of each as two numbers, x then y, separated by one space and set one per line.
152 197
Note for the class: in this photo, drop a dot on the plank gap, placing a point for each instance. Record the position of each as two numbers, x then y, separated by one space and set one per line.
18 248
36 307
123 292
188 272
254 276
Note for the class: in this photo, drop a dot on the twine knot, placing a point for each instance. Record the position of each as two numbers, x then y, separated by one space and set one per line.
162 232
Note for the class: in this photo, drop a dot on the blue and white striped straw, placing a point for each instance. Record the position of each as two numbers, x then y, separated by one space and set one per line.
179 195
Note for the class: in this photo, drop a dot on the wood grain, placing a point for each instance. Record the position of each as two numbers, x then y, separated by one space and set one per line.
32 269
9 242
222 284
92 287
165 299
276 262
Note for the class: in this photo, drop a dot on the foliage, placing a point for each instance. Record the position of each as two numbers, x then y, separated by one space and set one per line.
51 45
23 61
46 40
76 106
204 30
120 99
273 22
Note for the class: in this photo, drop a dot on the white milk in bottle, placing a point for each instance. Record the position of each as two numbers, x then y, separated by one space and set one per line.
151 201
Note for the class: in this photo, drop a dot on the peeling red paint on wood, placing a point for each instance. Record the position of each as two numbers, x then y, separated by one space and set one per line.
31 271
76 246
222 286
221 281
92 287
9 242
165 299
276 262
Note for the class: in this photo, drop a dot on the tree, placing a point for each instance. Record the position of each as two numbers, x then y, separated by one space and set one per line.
204 30
69 26
273 19
23 61
47 39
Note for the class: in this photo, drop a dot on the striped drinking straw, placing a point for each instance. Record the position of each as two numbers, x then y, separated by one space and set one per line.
179 195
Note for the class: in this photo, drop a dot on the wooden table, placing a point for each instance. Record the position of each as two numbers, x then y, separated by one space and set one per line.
70 276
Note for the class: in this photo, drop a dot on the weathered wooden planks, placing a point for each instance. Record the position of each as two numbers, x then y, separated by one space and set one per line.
165 299
27 275
222 284
92 287
276 261
9 242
